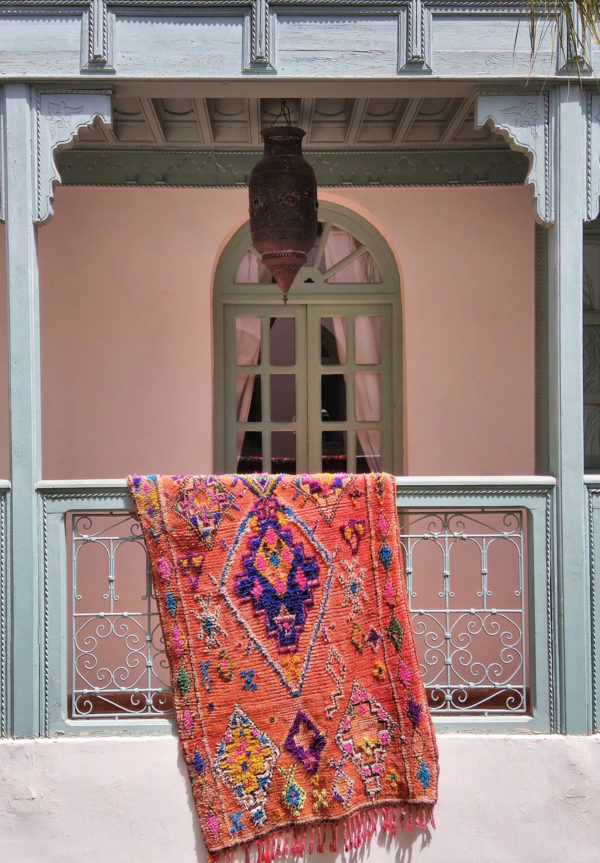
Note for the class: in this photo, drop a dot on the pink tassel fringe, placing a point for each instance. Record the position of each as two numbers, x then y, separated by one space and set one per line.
358 830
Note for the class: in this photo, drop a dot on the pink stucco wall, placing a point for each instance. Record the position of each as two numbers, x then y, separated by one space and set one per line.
126 278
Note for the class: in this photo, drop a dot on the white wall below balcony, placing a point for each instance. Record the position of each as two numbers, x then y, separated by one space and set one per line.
530 799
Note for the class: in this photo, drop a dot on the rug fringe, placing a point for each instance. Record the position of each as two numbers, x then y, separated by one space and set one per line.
357 830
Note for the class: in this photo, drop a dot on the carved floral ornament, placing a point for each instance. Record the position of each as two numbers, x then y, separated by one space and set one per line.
58 118
529 122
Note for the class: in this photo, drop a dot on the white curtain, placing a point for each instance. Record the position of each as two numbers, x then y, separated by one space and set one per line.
367 339
247 342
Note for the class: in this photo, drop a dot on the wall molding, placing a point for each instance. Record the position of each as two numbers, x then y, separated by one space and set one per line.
593 495
231 168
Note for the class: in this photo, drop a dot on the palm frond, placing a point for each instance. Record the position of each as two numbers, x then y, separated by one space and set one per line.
576 21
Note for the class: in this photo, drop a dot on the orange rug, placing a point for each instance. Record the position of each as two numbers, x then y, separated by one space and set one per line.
299 702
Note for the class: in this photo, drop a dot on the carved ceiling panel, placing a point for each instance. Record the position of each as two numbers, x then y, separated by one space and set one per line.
337 122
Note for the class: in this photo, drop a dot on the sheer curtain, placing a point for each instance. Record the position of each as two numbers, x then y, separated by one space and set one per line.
367 334
247 342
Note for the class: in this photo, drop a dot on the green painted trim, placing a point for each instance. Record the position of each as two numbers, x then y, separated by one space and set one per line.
542 445
537 496
593 496
26 595
571 601
231 168
55 503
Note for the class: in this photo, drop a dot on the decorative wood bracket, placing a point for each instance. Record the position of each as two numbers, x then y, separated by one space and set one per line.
259 38
56 118
525 121
414 38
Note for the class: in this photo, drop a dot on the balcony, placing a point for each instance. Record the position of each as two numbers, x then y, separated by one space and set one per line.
479 576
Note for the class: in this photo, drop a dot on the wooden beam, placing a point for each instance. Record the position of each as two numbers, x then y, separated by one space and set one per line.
151 117
203 120
356 120
406 121
307 108
456 119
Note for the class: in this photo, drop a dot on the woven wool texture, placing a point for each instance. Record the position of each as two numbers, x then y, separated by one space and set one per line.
299 702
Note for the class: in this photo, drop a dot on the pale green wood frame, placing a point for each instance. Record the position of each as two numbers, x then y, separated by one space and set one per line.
593 500
319 297
264 369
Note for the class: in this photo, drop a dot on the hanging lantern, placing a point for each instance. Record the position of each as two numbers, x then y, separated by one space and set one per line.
283 203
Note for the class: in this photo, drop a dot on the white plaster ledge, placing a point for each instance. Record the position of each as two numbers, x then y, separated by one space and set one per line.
527 799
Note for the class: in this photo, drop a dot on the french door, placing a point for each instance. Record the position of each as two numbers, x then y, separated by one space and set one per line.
310 387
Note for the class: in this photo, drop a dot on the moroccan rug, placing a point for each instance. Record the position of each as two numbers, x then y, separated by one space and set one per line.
299 702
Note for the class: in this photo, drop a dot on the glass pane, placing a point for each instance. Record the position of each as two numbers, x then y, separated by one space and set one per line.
591 359
362 270
333 341
283 452
368 451
282 341
251 271
333 398
591 419
248 398
249 448
283 398
333 452
339 245
310 257
367 396
247 341
367 339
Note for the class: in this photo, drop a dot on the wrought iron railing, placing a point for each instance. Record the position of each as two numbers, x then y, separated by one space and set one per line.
477 558
466 579
118 665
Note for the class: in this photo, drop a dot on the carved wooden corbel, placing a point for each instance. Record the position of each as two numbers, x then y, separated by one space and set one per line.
58 119
525 121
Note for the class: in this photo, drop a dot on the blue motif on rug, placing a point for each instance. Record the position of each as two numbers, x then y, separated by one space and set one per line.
276 582
278 578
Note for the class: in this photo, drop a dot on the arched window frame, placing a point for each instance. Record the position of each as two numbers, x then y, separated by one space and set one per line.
318 292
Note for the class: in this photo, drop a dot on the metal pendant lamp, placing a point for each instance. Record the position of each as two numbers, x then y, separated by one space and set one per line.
283 202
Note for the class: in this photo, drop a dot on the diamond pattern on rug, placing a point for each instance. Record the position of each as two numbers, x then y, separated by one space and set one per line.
203 505
245 761
277 582
325 491
364 734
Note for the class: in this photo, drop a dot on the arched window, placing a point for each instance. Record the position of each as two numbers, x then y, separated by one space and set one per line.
314 385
